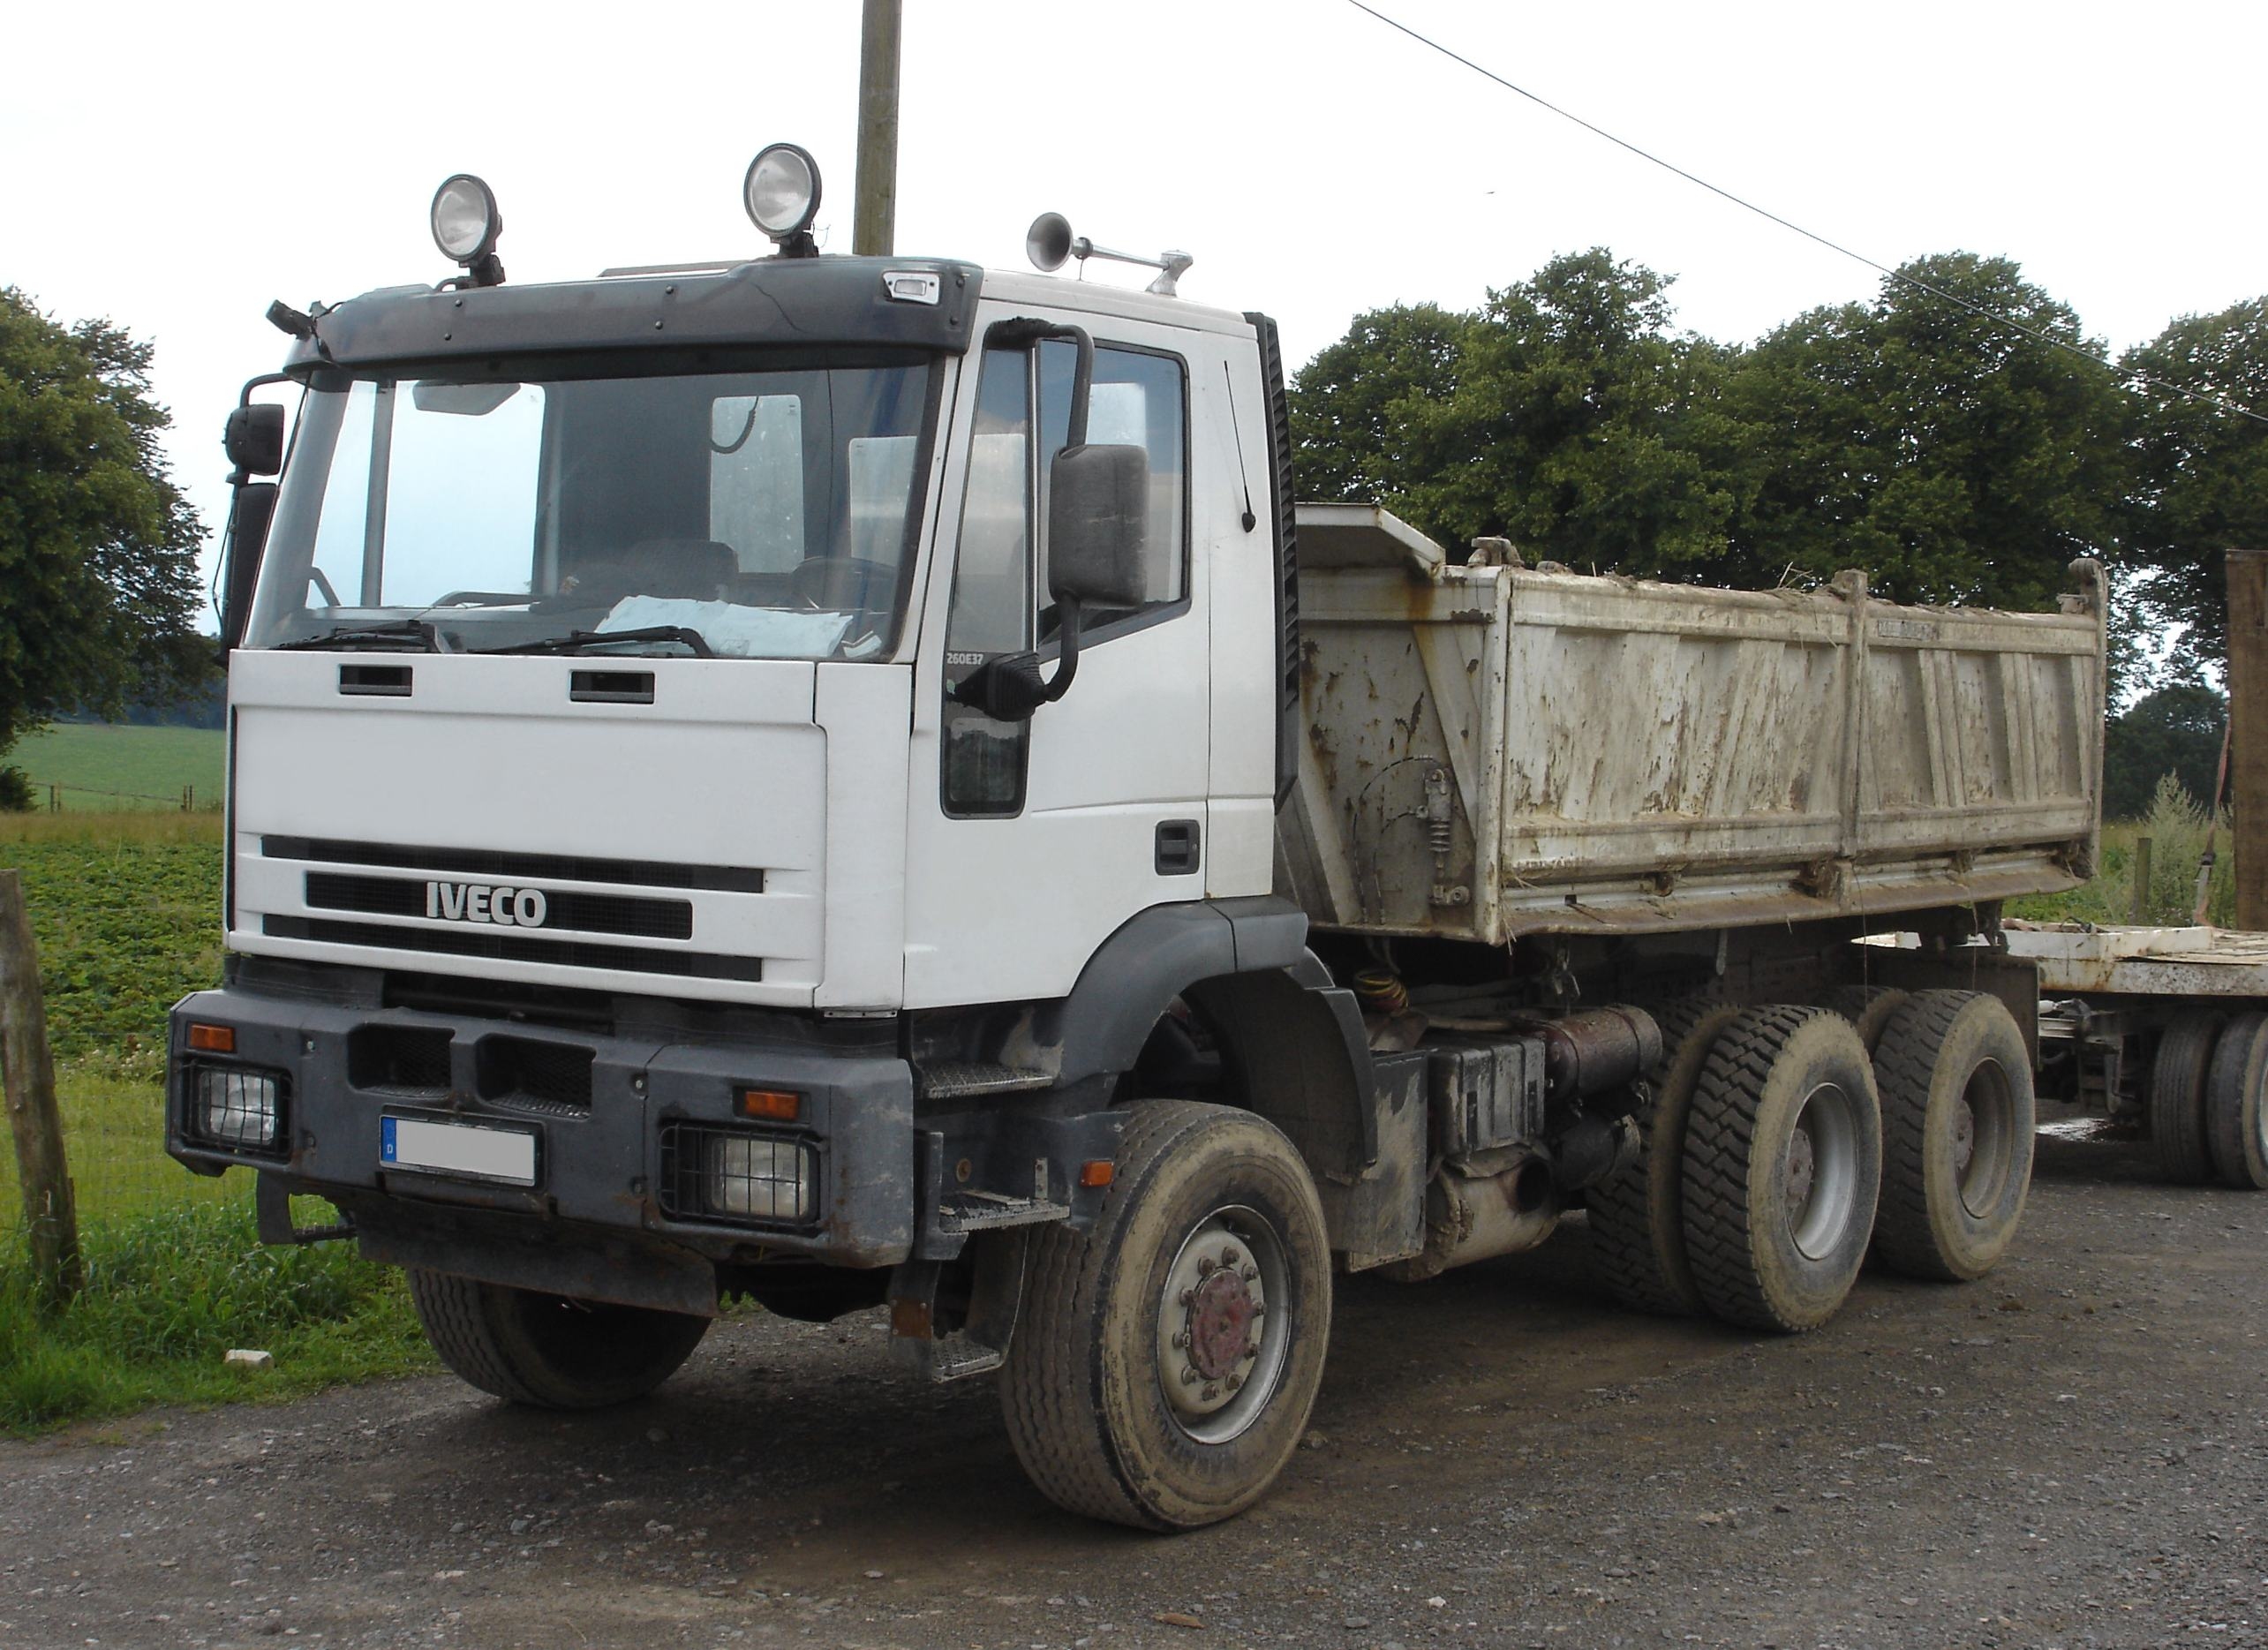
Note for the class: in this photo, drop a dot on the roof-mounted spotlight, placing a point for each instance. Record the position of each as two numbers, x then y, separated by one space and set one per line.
781 193
466 224
1049 241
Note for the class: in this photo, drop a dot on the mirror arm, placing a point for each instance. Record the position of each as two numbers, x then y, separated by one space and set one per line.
1067 632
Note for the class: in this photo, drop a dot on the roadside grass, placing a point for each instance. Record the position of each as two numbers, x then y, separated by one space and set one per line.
126 908
2178 828
110 767
168 1293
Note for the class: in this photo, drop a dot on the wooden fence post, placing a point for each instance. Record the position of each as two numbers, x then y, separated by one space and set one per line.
2141 881
42 1174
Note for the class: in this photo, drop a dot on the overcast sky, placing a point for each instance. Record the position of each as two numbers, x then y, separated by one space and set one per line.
175 167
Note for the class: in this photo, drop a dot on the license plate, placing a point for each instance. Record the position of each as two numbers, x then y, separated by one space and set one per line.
463 1149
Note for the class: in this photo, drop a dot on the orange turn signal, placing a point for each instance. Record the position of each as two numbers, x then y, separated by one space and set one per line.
1099 1172
213 1039
771 1105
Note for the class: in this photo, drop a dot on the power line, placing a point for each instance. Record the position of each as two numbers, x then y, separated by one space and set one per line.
1916 282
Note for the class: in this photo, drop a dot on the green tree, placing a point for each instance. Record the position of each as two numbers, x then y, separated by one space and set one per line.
1944 452
2202 482
2173 732
1564 415
98 548
1357 406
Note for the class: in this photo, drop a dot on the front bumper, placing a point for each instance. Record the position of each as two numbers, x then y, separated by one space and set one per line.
614 1116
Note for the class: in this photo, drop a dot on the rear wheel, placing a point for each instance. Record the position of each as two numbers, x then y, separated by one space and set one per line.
2236 1118
1637 1214
551 1350
1958 1116
2177 1097
1868 1009
1783 1160
1168 1358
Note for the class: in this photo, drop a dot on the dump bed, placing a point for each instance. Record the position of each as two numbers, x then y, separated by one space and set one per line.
1492 751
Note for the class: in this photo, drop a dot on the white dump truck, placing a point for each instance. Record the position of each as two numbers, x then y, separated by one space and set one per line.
849 782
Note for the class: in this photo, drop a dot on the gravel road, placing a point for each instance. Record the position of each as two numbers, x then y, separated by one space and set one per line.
2074 1452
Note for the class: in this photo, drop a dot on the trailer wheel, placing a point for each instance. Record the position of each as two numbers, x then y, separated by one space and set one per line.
2236 1118
1637 1219
1168 1358
2177 1097
1958 1116
550 1351
1868 1009
1783 1160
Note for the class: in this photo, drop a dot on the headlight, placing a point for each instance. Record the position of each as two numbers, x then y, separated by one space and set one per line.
465 219
781 191
238 1108
748 1177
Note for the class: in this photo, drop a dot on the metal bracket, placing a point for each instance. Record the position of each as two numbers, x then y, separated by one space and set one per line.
272 1210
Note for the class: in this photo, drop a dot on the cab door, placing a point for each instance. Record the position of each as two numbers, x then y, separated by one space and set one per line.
1031 841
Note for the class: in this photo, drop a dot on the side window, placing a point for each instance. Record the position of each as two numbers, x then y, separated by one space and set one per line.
1139 400
991 609
999 596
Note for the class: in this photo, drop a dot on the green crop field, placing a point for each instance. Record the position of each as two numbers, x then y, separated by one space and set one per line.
102 768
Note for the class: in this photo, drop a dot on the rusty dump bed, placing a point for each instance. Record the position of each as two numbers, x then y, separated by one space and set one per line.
2075 960
1491 751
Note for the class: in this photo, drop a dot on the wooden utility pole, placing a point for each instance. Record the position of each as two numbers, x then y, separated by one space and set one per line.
2247 731
874 230
42 1176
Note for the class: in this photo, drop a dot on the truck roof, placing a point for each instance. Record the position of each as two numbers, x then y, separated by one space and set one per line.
765 301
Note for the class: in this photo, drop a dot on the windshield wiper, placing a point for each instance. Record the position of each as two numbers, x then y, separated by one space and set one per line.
391 633
591 641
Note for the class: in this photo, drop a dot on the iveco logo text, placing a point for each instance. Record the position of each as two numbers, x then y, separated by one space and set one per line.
479 902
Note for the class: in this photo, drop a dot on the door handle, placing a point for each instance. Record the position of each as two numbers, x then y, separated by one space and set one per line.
1177 847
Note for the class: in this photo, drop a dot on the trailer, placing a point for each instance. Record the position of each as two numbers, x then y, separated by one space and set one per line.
2160 1029
849 782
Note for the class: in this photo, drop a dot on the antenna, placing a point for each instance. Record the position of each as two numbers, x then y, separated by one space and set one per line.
1049 241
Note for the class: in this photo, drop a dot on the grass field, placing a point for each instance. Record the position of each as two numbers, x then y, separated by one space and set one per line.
103 769
125 909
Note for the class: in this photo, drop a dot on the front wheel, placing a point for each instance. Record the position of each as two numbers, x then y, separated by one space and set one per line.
1167 1359
551 1351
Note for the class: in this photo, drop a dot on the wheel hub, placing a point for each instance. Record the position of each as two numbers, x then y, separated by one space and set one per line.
1224 1327
1220 1324
1964 1137
1800 1170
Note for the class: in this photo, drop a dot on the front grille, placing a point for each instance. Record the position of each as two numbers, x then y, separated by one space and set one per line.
508 945
592 913
398 1056
494 865
553 1077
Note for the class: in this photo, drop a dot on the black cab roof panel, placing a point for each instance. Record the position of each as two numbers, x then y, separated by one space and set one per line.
771 301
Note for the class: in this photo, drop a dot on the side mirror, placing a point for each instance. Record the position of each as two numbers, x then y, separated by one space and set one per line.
254 438
248 520
1097 522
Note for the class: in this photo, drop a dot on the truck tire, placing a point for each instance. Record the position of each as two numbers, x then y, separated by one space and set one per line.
2177 1097
551 1351
2236 1118
1637 1219
1868 1009
1958 1116
1783 1160
1167 1359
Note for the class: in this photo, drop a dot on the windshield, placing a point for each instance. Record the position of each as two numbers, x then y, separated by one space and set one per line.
757 514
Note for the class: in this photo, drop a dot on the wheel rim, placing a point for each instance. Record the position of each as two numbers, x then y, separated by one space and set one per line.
1224 1324
1821 1171
1984 1137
